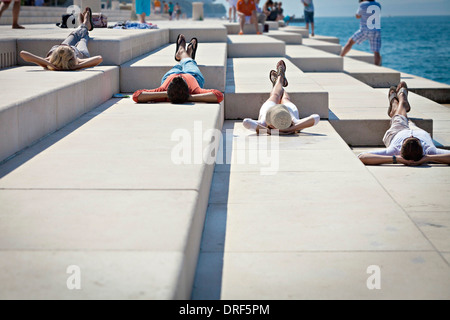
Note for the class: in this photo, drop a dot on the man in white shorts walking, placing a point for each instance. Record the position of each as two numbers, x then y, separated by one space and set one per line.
278 112
405 142
369 13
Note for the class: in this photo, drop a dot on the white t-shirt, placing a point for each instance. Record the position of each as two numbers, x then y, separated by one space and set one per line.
366 14
395 147
310 5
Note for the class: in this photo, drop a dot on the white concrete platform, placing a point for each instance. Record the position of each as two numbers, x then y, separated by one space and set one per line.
313 60
361 56
8 53
233 28
204 33
240 46
115 46
287 37
323 45
295 29
316 230
36 102
358 112
373 75
436 91
248 87
147 71
273 25
329 39
105 194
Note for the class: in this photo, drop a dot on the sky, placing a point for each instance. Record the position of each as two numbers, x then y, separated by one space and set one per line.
336 8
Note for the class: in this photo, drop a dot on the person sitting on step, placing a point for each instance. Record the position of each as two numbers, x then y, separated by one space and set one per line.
405 142
278 112
184 82
73 53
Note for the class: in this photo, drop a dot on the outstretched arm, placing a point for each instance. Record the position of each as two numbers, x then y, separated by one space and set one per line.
145 97
375 159
203 97
436 158
89 62
302 124
29 57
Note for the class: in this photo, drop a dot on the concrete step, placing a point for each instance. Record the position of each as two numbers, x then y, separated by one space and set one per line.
329 39
323 45
313 60
254 46
358 112
248 87
106 194
36 102
115 46
203 32
8 53
300 30
233 28
372 75
361 56
147 71
436 91
290 243
287 37
273 25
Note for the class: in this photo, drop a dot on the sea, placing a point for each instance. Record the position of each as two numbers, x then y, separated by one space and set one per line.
415 45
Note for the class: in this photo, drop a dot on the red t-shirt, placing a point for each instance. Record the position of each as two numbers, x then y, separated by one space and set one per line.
246 8
192 83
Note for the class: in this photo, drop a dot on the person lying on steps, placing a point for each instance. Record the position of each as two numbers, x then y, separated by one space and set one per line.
184 82
405 142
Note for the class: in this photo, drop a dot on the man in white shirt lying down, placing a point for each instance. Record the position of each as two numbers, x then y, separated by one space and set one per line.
405 142
278 112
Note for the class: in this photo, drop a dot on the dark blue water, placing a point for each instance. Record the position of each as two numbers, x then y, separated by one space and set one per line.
415 45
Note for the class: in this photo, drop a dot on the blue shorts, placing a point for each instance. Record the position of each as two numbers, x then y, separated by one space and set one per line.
187 66
309 16
374 37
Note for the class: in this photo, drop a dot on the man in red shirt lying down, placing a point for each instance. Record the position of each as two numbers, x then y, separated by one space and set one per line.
184 82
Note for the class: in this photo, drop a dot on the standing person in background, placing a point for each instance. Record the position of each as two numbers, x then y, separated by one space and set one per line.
273 12
171 8
369 13
280 11
142 9
309 14
260 14
157 6
177 11
15 12
232 10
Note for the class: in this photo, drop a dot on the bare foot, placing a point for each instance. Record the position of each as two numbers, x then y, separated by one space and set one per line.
17 26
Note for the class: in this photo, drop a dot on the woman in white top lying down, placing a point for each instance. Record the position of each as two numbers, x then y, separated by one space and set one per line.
278 112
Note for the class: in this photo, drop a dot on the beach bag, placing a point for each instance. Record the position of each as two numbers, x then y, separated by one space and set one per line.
100 20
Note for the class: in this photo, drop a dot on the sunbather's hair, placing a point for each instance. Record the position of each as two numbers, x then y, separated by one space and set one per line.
64 58
178 90
412 149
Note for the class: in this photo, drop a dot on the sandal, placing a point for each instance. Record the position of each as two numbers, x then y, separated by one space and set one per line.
404 90
281 69
177 47
90 18
273 76
391 96
194 47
